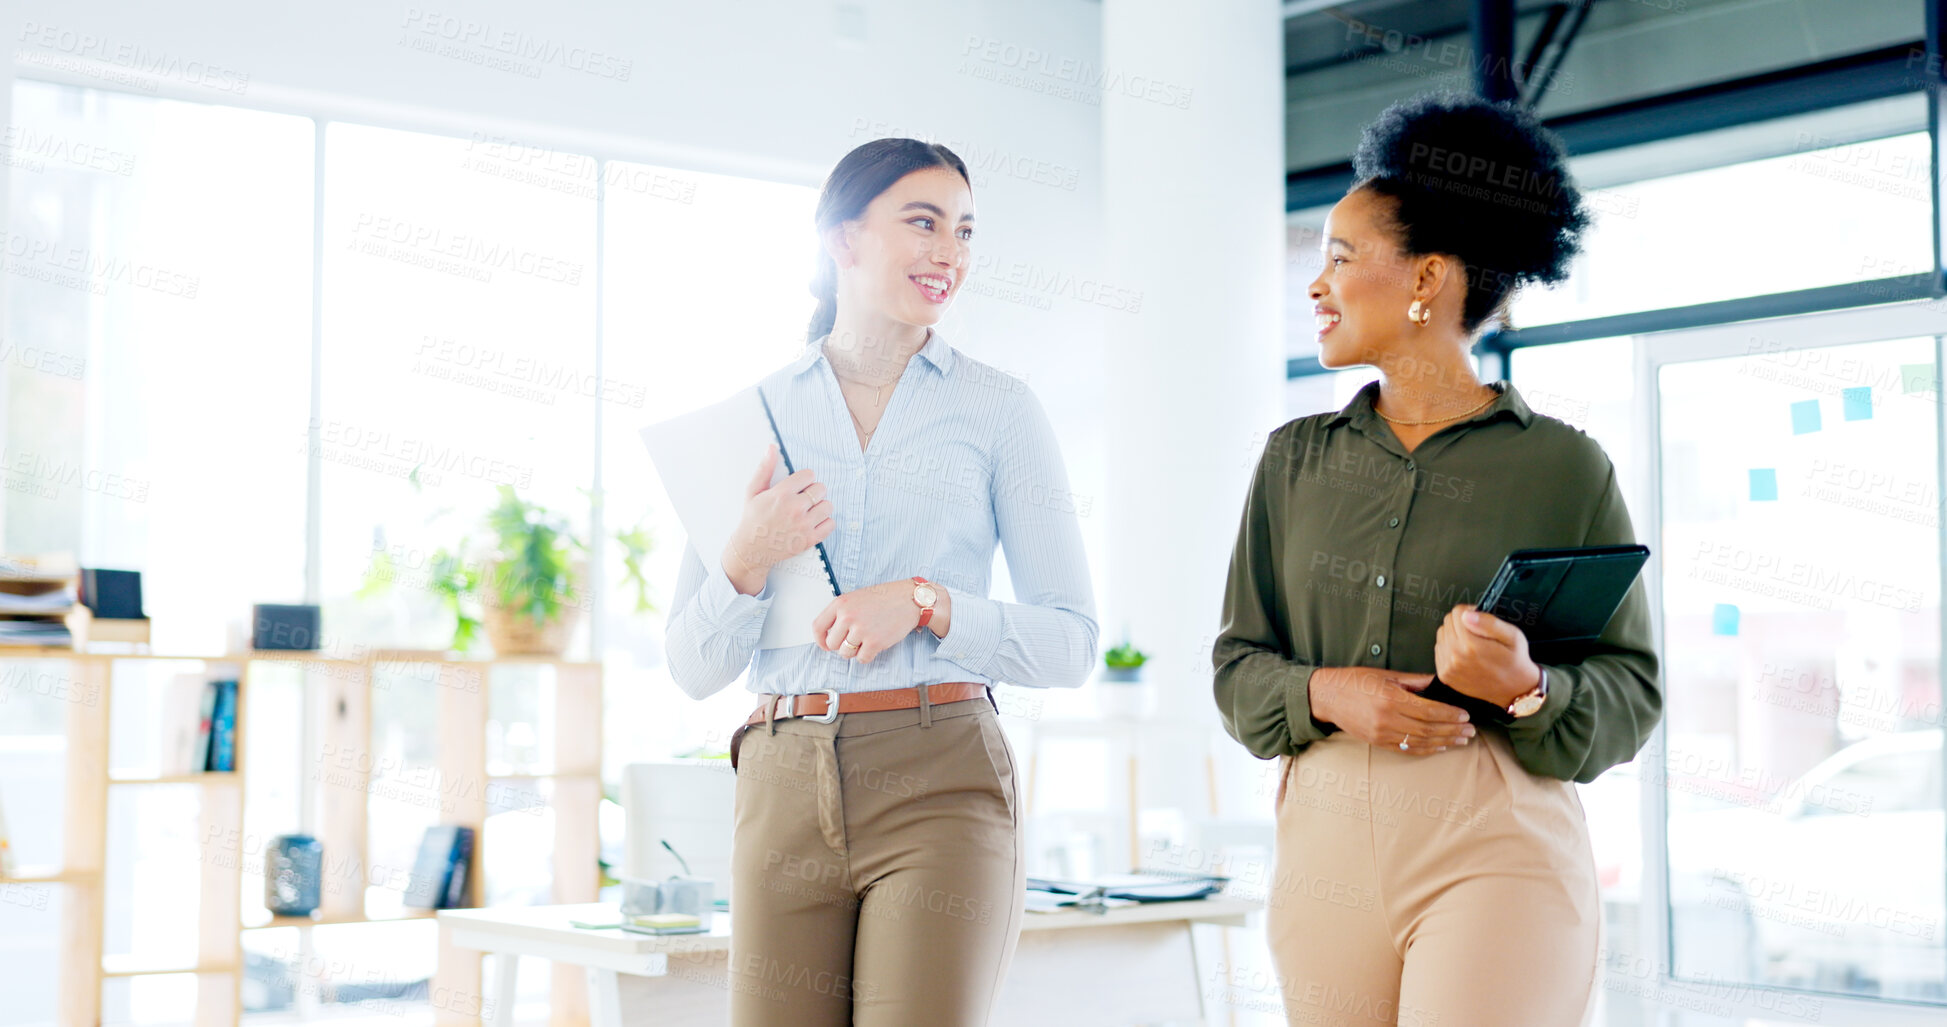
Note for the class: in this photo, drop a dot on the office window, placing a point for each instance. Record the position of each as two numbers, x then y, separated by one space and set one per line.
1819 214
1801 598
459 356
159 252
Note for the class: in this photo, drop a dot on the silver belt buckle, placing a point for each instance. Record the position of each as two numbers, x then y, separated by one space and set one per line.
831 708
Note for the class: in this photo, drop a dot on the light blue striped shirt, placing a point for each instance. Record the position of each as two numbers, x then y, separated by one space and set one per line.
962 460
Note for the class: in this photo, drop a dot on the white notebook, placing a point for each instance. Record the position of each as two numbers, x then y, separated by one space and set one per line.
706 458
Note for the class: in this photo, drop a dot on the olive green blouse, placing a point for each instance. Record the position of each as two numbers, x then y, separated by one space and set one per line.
1351 552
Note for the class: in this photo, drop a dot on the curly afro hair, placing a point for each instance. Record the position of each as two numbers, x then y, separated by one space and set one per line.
1484 182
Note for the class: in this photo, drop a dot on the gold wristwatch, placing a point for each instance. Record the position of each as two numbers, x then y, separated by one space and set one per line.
924 597
1530 701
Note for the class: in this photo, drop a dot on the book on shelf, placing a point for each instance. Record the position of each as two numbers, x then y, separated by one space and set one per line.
223 727
198 725
438 878
205 720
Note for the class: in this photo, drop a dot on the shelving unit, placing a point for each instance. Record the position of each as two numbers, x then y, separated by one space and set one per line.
344 715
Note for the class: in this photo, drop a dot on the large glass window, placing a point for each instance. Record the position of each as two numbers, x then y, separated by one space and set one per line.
459 357
156 362
1801 611
1823 213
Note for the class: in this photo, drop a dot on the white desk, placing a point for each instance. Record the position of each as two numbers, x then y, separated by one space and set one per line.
1131 965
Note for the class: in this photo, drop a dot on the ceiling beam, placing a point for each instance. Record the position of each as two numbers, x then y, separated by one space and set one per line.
1491 24
1873 75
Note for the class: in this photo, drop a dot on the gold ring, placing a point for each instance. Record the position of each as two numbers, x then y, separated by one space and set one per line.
851 645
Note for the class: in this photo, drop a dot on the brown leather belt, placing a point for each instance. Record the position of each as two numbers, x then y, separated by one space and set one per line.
819 705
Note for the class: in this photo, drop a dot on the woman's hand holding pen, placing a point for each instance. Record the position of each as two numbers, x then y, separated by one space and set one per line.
1479 654
780 521
1380 707
865 622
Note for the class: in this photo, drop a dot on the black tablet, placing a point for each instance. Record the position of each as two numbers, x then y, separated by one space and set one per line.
1563 595
1552 595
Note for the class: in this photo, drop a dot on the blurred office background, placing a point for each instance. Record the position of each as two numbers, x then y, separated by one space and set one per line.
293 291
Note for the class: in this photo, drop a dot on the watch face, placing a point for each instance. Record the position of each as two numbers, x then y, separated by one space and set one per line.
1526 705
923 595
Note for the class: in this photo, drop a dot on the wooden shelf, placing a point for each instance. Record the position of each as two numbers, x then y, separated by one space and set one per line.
310 656
341 693
200 778
138 966
47 652
435 656
558 775
354 918
48 875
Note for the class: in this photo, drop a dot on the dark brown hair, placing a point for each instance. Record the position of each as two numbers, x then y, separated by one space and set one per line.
859 178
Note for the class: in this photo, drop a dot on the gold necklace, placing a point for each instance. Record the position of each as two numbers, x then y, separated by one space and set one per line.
1437 420
878 393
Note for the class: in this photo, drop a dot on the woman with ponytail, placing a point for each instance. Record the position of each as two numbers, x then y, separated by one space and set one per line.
877 873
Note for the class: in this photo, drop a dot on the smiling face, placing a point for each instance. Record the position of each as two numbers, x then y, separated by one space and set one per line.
1362 295
906 257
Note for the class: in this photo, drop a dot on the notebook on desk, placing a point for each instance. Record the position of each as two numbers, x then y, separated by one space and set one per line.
1050 894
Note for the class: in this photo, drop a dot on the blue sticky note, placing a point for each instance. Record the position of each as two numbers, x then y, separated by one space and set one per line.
1723 619
1764 484
1805 416
1859 403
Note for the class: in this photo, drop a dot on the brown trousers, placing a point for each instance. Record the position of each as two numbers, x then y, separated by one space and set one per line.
876 871
1449 890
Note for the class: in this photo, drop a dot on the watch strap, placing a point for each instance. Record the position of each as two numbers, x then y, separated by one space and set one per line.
925 612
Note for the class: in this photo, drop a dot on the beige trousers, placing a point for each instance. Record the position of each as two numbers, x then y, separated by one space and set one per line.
876 872
1450 890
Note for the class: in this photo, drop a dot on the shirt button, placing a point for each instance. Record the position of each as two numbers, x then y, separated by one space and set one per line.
1380 581
860 473
1410 465
1375 649
1392 523
855 525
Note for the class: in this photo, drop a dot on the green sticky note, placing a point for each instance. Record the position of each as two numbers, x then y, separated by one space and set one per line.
1917 378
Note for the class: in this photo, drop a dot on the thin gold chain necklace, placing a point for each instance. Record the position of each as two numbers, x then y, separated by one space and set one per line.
877 401
1437 420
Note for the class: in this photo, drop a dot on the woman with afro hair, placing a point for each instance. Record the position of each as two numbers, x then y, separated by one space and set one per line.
1433 862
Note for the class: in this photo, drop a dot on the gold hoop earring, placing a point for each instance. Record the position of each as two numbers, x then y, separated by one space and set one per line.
1419 313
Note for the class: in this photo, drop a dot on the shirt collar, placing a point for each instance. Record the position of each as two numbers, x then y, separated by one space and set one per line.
936 351
1360 410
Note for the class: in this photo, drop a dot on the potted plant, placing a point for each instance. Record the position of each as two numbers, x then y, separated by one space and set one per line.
1123 663
525 587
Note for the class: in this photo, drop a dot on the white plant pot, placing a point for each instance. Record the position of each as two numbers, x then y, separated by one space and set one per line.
1124 700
